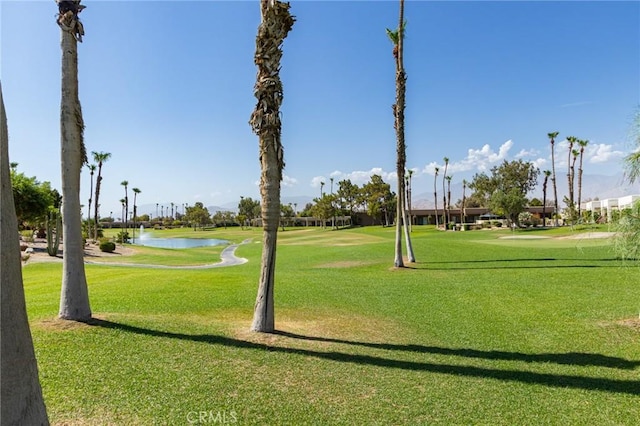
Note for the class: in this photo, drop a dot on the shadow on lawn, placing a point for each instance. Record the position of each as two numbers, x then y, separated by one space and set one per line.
505 264
569 358
555 380
542 259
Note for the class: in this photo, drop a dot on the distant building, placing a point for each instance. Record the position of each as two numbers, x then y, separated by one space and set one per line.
606 207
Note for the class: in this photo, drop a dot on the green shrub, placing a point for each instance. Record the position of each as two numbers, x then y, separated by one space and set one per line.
27 235
107 246
122 237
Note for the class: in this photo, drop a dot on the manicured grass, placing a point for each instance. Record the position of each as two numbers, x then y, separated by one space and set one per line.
481 330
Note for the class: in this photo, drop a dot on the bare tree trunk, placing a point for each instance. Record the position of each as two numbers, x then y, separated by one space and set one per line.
21 394
95 215
407 237
74 298
265 122
555 187
398 110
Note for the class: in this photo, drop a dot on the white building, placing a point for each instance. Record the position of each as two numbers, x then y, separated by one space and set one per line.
607 206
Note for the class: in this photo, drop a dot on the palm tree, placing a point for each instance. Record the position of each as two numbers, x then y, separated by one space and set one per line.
583 144
157 210
125 183
100 158
21 394
463 212
397 38
552 137
136 191
74 298
572 140
122 218
276 22
444 194
408 192
575 153
321 187
333 212
547 173
172 211
449 197
92 169
435 193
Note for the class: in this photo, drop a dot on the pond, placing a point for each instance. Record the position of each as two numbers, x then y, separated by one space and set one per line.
178 243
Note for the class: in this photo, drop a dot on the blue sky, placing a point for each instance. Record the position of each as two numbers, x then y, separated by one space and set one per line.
167 89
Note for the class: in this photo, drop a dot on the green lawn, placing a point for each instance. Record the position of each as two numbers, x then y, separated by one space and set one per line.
481 330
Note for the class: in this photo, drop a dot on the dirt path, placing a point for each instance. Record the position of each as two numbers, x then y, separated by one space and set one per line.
39 254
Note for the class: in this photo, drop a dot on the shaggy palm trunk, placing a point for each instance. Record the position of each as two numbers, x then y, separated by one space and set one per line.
569 175
89 234
555 186
20 392
444 196
265 122
580 183
95 214
463 209
74 298
398 112
544 200
448 200
435 197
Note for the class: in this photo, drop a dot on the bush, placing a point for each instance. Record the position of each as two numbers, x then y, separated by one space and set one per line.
107 246
122 237
27 235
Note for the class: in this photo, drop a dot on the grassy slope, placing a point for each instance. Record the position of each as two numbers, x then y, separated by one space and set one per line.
480 330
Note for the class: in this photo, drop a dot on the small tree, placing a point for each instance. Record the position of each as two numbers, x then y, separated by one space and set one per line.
627 240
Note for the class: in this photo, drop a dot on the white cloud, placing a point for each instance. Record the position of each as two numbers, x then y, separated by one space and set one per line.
358 177
288 181
601 153
315 182
524 153
575 104
540 163
429 169
477 159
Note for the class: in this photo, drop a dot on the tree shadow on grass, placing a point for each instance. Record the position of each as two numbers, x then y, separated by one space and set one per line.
568 358
553 380
540 263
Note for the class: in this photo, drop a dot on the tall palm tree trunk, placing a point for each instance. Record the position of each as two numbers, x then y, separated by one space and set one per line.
552 137
100 158
265 122
89 207
571 140
435 195
74 298
401 160
97 192
444 194
20 393
583 144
